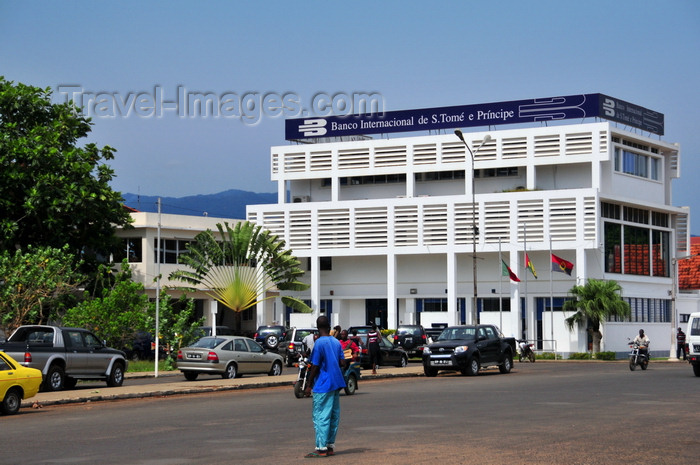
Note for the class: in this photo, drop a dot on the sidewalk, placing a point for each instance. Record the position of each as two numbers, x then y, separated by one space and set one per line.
181 386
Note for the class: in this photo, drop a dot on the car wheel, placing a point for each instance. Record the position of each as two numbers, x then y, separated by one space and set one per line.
271 341
54 378
11 403
116 377
403 363
288 361
507 364
696 369
69 382
190 375
473 367
276 369
231 371
430 371
351 385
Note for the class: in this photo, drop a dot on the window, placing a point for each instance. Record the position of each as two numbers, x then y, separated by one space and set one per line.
643 166
131 250
644 310
432 305
491 304
171 249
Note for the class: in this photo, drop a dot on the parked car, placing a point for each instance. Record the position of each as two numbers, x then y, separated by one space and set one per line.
291 346
16 383
391 355
228 356
411 338
270 336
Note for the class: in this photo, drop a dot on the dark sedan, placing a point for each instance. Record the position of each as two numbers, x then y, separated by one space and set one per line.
391 355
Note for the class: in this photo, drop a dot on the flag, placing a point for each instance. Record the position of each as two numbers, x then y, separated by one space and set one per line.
561 265
507 272
530 266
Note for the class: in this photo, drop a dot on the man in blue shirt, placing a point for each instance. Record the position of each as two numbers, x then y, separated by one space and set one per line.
326 377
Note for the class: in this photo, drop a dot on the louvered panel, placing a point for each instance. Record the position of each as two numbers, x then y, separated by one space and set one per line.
349 159
497 221
603 142
435 224
300 229
371 227
274 222
334 228
531 220
275 164
294 162
562 219
488 151
590 216
514 147
453 152
390 156
321 161
463 223
424 154
406 225
579 143
547 146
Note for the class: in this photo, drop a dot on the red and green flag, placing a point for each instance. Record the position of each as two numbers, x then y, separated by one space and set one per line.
530 266
561 265
506 271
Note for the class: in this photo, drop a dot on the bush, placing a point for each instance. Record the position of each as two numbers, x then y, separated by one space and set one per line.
580 356
547 356
605 356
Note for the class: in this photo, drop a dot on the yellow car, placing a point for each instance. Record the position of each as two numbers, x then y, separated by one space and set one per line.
16 383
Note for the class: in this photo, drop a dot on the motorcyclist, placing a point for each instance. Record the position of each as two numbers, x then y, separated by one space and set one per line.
643 341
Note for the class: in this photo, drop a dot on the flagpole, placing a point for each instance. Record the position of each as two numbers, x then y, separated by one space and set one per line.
500 288
551 298
527 314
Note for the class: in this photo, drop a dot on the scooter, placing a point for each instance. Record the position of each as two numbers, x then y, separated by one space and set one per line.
637 357
526 351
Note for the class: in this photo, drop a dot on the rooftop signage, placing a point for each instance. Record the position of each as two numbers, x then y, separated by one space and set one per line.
483 114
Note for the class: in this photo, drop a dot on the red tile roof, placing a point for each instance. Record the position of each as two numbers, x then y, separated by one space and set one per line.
689 269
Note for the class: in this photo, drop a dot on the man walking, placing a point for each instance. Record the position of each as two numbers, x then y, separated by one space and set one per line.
680 344
327 380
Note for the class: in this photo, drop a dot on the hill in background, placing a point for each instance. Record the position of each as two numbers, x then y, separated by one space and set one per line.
228 204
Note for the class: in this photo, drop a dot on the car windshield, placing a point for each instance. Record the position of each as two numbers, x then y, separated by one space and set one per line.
408 331
449 334
208 342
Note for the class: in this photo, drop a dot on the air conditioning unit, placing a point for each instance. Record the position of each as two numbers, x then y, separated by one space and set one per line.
300 199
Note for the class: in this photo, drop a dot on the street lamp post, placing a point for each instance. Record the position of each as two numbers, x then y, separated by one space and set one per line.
475 230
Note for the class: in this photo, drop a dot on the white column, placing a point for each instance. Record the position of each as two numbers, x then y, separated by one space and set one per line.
316 285
213 309
391 309
452 310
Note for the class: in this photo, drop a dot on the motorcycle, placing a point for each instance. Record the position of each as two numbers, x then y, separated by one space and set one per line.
526 351
302 377
351 375
637 357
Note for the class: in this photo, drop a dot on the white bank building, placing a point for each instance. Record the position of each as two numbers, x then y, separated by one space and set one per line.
384 228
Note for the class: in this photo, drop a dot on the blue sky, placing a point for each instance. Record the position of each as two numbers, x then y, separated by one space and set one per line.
414 54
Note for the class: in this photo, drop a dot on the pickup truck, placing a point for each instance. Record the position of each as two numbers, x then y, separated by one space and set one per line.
693 342
65 355
467 349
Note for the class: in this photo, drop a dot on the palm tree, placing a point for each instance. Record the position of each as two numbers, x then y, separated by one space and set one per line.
238 269
595 302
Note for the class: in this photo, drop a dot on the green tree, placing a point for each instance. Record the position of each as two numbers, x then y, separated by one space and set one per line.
32 282
177 325
241 267
595 302
118 314
52 192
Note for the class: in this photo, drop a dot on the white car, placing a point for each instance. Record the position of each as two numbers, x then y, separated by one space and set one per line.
693 342
228 356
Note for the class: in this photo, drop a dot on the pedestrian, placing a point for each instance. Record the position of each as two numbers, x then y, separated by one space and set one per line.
375 353
326 377
350 349
680 343
335 332
308 343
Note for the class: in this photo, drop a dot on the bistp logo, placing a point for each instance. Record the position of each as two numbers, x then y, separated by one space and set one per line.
313 127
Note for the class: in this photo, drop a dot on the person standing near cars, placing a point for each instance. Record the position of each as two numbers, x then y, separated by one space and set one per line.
680 343
326 377
373 345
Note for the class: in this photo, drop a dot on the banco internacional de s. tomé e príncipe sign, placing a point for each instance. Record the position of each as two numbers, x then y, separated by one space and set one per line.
483 114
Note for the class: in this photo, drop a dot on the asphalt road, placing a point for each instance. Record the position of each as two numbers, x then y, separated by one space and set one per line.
542 413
